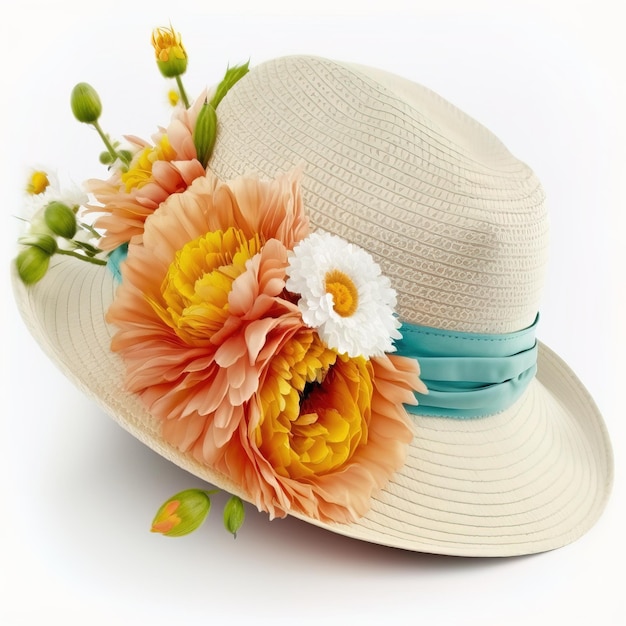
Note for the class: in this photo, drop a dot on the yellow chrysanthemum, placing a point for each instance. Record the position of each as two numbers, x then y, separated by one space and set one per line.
140 171
315 408
219 353
199 281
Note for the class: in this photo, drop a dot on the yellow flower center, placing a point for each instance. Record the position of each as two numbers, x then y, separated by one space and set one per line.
37 183
315 408
198 282
173 97
140 172
344 292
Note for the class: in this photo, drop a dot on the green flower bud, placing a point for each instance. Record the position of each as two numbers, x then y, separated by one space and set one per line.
86 105
43 241
60 219
182 514
234 514
205 132
32 264
174 66
105 158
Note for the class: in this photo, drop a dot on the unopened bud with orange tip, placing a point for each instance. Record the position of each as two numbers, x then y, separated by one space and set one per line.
182 513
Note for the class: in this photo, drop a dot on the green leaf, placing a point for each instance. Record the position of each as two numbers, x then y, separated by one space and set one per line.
232 76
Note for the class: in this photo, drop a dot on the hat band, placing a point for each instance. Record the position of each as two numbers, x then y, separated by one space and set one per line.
468 374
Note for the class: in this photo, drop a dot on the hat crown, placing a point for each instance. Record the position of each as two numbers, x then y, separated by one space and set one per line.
455 221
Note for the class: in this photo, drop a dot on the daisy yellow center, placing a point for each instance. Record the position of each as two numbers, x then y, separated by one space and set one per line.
315 408
173 97
344 292
140 171
198 282
37 183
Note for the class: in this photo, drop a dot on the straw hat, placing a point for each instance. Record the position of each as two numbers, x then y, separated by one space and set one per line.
459 227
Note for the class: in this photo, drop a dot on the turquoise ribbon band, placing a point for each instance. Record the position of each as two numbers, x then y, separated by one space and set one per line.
115 259
469 374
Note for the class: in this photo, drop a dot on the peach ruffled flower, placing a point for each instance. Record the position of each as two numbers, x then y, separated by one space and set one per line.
326 432
200 311
217 349
156 172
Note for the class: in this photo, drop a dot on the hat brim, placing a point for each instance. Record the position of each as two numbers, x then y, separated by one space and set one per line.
530 479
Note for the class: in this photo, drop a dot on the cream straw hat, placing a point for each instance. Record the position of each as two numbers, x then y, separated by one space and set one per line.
459 226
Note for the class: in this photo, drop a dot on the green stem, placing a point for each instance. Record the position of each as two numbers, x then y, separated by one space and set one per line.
81 257
183 95
89 229
107 143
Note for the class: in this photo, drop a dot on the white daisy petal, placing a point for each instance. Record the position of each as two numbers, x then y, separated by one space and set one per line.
343 295
72 195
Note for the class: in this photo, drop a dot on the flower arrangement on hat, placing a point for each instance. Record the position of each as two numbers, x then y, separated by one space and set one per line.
264 348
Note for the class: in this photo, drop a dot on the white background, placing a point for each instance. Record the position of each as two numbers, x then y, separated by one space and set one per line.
78 493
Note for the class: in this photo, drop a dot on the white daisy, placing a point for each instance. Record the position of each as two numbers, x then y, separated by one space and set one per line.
71 194
343 295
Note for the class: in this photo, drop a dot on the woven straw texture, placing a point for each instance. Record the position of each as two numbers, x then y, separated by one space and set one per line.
456 222
530 479
459 226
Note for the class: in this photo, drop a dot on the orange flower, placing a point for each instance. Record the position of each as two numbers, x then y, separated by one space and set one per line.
325 432
200 310
218 350
156 171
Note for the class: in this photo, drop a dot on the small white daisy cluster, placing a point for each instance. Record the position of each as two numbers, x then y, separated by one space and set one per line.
52 227
35 203
369 327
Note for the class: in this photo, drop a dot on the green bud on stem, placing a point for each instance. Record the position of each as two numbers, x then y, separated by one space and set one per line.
234 514
105 158
32 264
43 241
86 105
60 219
